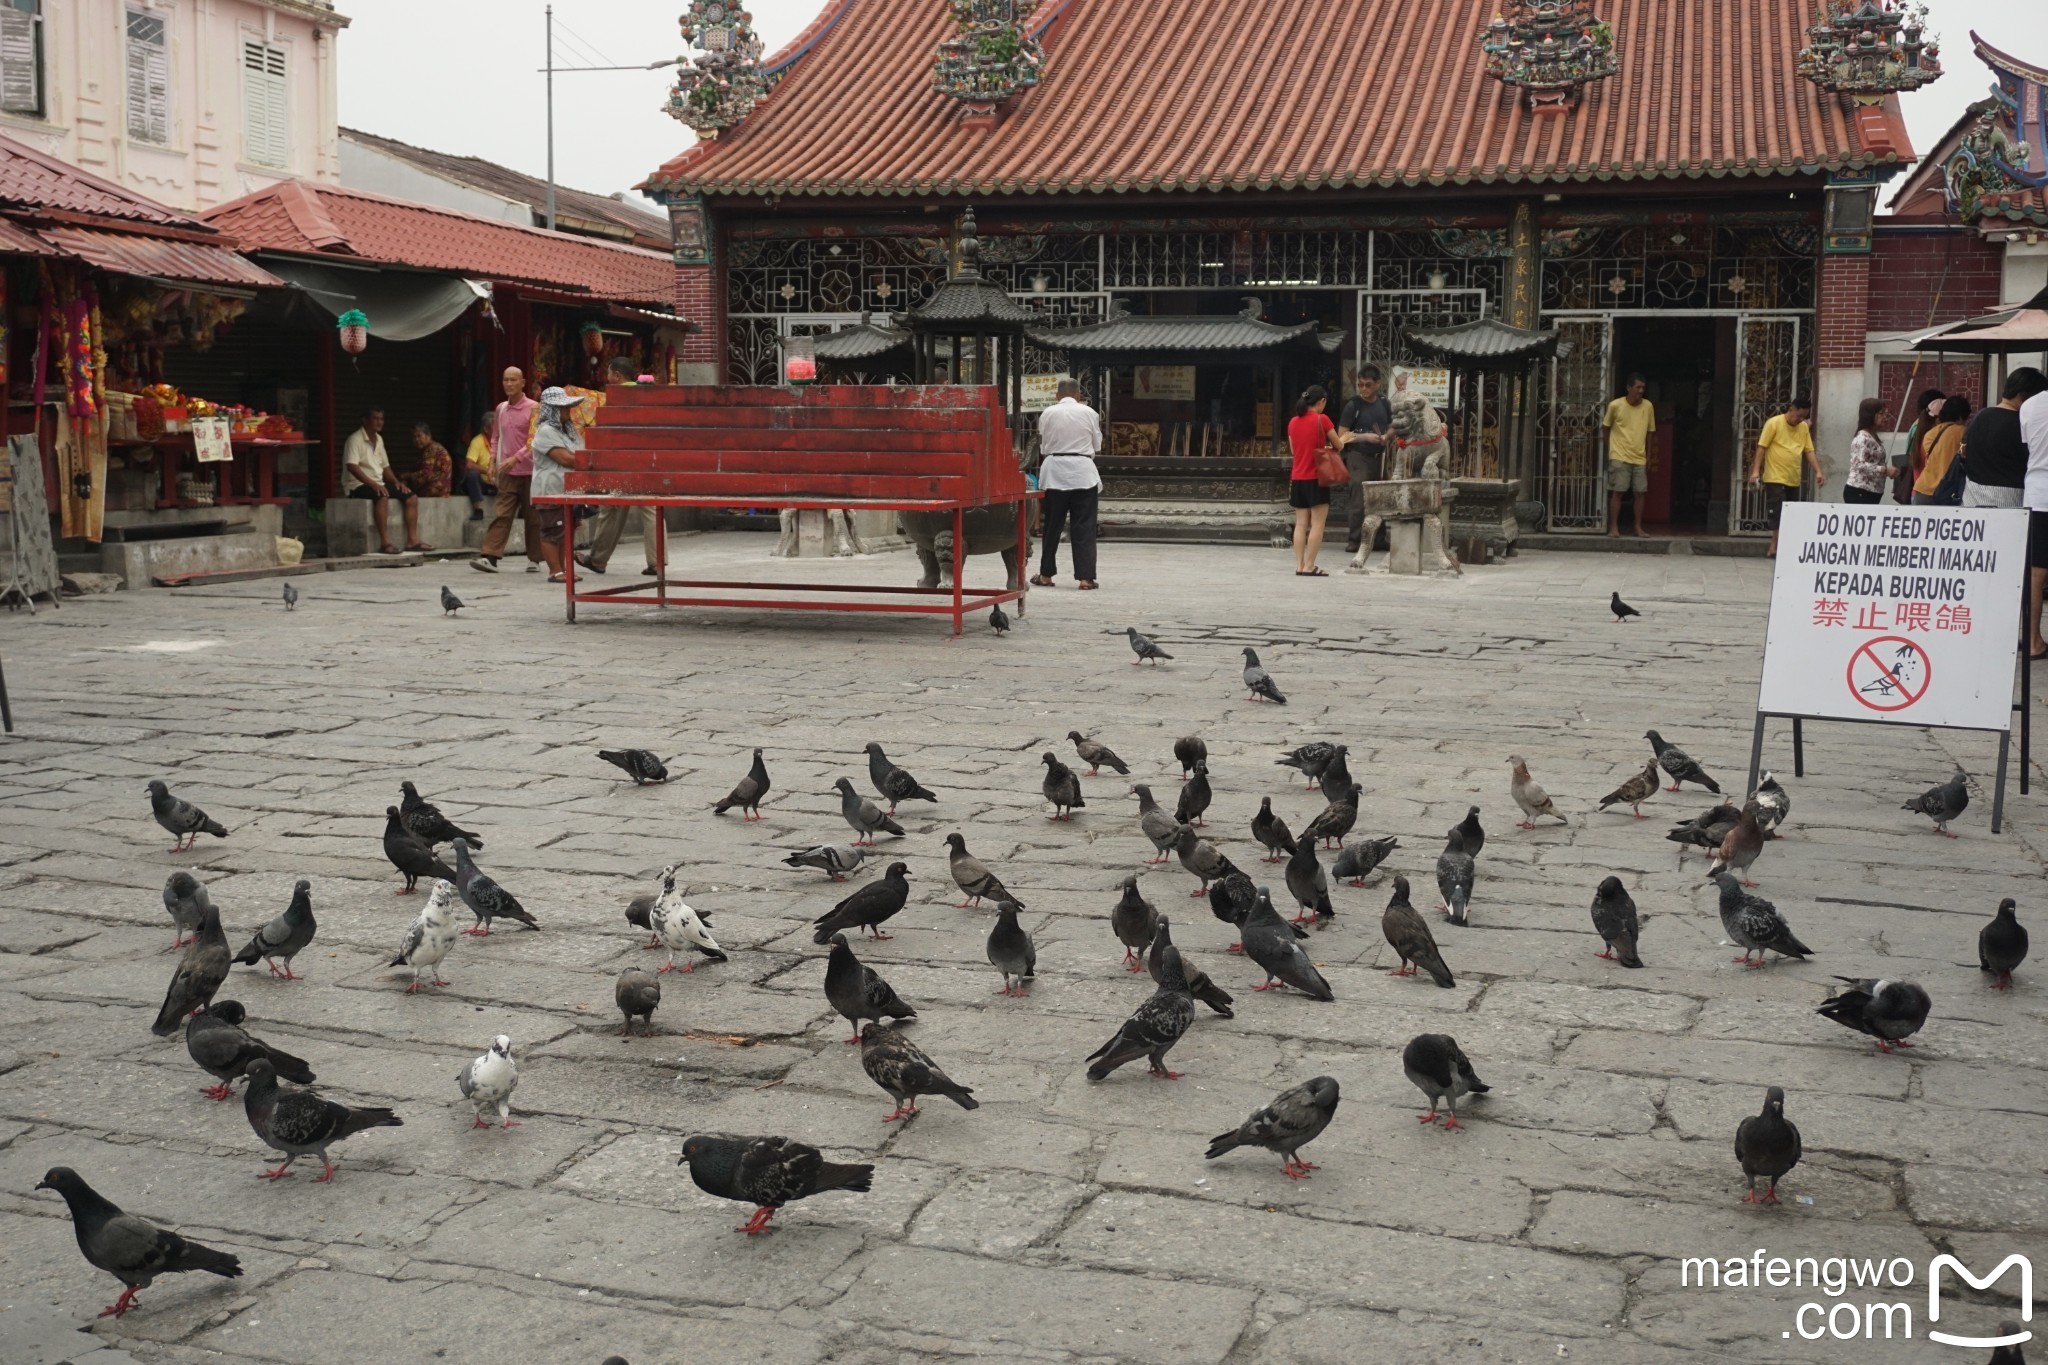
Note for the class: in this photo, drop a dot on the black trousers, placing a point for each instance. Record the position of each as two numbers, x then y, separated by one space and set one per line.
1851 493
1077 505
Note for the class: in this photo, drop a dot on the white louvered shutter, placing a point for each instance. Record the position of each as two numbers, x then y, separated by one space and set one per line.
264 112
149 78
21 66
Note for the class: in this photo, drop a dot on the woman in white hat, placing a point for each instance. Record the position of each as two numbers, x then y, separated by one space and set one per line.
557 449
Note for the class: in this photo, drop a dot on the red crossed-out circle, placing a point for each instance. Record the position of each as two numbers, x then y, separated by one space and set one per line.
1905 691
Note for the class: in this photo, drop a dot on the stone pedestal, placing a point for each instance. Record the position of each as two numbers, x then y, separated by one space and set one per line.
1485 510
1415 513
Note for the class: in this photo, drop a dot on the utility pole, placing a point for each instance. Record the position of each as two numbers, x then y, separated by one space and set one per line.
551 117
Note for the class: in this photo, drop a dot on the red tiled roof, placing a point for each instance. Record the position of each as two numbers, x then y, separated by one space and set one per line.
302 218
162 258
30 180
1215 94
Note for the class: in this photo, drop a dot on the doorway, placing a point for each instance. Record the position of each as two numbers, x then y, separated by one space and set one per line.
1689 364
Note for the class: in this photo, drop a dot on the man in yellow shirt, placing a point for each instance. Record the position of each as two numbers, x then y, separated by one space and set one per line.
1782 448
1629 421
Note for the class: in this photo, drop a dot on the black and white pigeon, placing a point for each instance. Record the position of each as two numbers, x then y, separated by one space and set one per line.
1679 765
130 1248
1622 610
488 1081
1439 1068
215 1039
862 816
1409 936
1011 951
1159 826
1195 797
1309 886
1455 874
867 907
998 619
1889 1011
1309 760
1199 857
855 990
1097 755
767 1172
639 764
410 854
1336 819
1944 803
1144 647
1135 921
679 927
427 823
1773 802
1707 829
972 876
1754 924
1766 1146
1356 862
1272 832
1635 791
450 603
1272 943
748 791
1258 682
1061 787
301 1123
291 597
637 994
1187 750
2002 945
1154 1027
891 781
285 936
181 818
834 860
1199 984
1469 829
1295 1118
900 1067
427 942
1614 919
186 902
199 974
485 898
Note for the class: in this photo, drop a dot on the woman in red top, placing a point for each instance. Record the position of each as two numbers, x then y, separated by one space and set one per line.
1309 431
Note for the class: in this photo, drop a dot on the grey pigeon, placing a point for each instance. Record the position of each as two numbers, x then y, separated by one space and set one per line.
1154 1027
485 898
1144 648
834 860
1309 886
2002 945
1679 765
1134 920
1295 1118
1439 1068
1271 831
855 990
1889 1011
974 879
1199 857
900 1067
1061 787
427 823
200 972
291 597
1944 803
1754 924
1187 751
488 1081
1011 951
301 1123
1635 791
892 781
767 1172
1356 862
410 854
1614 919
1096 755
1454 876
1707 829
1767 1146
1337 776
862 816
1159 827
2010 1353
1337 818
1231 901
1740 846
1622 610
640 914
1530 796
1408 935
1310 760
637 993
1773 802
748 791
998 619
638 764
285 936
131 1249
215 1040
1258 682
427 942
186 901
1199 984
181 818
1270 941
1469 830
867 907
1195 797
450 603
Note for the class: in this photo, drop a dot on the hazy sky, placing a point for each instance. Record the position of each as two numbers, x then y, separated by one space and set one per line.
463 76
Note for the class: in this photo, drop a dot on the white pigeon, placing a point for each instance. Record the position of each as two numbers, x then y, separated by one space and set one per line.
488 1082
678 926
431 936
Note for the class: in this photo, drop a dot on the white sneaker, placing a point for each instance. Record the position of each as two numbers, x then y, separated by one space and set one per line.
483 565
533 568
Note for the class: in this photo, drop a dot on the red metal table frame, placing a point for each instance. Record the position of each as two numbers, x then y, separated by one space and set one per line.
956 602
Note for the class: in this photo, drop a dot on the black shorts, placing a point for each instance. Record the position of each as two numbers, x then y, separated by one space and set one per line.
1307 493
552 524
369 494
2037 540
1776 495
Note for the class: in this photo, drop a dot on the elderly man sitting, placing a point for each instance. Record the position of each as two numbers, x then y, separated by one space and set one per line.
366 473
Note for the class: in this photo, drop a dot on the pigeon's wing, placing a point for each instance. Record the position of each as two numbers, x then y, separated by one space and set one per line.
776 1170
302 1119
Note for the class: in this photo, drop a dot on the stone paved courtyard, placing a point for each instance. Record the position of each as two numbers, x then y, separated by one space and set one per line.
1063 1220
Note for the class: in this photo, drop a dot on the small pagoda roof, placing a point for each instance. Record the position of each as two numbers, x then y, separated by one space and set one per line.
967 304
1188 339
864 342
1484 343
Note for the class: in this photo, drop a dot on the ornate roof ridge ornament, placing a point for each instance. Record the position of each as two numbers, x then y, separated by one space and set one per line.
1550 48
1868 49
990 59
720 86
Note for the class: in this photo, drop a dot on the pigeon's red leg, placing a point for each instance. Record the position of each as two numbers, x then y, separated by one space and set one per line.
1292 1171
1430 1117
1770 1195
653 941
1149 862
879 935
437 981
1405 969
479 1122
758 1223
120 1305
215 1092
1525 824
281 1173
1199 891
326 1175
512 1123
1235 948
1306 1165
1609 955
1452 1122
856 1035
1903 1042
1749 883
403 891
899 1112
1271 985
1158 1075
1303 918
414 988
1639 813
689 964
1946 834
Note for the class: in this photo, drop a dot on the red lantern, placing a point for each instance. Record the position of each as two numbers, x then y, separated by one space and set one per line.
593 341
354 326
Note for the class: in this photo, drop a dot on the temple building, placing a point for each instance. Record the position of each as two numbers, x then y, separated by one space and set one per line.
1209 206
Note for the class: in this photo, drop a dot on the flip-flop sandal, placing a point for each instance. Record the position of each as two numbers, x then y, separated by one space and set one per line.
1039 580
419 547
556 578
1088 585
1310 573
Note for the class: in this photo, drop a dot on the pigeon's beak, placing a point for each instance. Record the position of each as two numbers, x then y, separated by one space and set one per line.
44 1185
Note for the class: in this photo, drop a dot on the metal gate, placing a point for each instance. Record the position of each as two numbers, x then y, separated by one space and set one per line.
1770 369
1575 460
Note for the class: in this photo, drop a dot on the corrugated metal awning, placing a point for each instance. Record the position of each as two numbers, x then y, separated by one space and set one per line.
161 258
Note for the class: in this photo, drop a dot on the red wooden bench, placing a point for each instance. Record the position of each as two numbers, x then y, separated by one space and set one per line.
929 448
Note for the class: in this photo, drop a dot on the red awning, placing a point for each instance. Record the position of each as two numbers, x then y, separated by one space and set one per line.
160 258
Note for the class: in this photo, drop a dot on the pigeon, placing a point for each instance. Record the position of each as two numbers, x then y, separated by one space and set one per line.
1740 846
1159 827
1337 776
974 879
285 936
215 1040
998 619
1530 796
1144 647
1096 755
1061 787
186 901
1270 941
1707 829
1134 921
1679 765
296 1122
640 914
1889 1011
892 781
900 1067
751 788
637 993
1231 901
1154 1027
1309 886
1011 951
131 1249
1440 1069
1754 924
411 854
1767 1145
2009 1353
1622 610
485 898
291 597
1454 876
1271 831
1355 862
450 603
853 988
1773 804
1337 818
1939 804
767 1172
1187 751
1635 791
868 906
1195 797
182 818
432 934
1200 857
426 822
1468 828
200 972
1295 1118
1408 935
1199 984
1310 760
488 1082
862 816
1614 919
834 860
678 926
1258 682
638 764
2002 946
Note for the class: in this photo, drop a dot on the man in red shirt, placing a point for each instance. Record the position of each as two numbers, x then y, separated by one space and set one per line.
512 450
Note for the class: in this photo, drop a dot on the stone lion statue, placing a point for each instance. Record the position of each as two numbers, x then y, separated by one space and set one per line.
1418 431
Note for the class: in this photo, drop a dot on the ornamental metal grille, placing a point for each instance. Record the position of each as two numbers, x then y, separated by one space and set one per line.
1575 455
1774 362
893 274
1680 266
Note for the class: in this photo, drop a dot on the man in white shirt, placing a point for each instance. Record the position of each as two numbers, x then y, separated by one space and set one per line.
2034 433
366 473
1069 437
